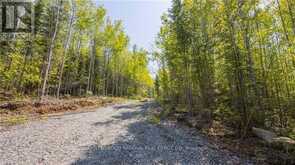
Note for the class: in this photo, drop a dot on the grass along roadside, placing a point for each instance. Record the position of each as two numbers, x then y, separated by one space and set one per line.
19 112
15 120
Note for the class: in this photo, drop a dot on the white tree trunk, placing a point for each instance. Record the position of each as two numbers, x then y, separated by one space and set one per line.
66 46
50 52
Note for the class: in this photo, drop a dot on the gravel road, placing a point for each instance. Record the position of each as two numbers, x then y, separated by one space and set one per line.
113 135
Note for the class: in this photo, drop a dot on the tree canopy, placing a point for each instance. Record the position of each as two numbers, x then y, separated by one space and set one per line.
234 58
76 50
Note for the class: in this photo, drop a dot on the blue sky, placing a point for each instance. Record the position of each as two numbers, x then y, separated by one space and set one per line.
141 20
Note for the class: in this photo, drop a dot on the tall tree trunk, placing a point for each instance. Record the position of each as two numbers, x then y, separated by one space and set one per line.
91 65
292 15
283 23
50 51
250 64
240 100
66 46
23 70
106 72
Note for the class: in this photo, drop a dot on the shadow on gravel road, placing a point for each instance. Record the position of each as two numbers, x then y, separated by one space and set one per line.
141 106
147 144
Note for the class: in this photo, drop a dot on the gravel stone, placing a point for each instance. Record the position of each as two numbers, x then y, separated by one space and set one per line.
114 135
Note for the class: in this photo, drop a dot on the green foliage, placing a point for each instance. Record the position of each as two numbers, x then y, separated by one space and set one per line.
96 61
233 57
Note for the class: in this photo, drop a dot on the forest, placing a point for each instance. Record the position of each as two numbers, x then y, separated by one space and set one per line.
230 60
75 50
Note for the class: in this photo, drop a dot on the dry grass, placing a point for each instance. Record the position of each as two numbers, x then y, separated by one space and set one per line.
15 120
18 112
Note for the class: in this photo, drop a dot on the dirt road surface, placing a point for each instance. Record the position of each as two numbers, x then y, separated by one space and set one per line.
113 135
